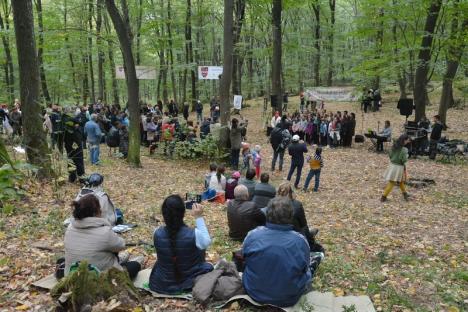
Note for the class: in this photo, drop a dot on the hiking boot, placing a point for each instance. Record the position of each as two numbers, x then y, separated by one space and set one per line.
406 196
383 198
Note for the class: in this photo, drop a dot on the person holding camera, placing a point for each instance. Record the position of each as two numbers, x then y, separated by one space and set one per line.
180 249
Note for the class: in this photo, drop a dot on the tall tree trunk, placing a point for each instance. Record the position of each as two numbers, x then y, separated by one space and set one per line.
70 54
227 62
424 57
84 77
316 8
9 73
34 137
110 52
40 52
456 46
101 55
138 32
239 13
90 52
122 28
277 55
379 46
188 39
401 75
163 69
171 54
331 37
193 75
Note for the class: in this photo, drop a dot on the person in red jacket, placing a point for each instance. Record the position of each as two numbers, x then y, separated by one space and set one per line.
167 136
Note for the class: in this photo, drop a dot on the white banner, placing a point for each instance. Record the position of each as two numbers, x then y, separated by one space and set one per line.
142 72
237 101
344 94
209 72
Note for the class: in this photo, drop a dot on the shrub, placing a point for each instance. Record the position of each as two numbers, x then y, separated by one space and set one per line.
204 149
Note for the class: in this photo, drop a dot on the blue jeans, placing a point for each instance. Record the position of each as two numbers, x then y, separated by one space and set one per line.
94 153
295 165
312 173
235 159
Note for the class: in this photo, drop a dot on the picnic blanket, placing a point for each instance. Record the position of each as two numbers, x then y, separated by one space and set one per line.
312 301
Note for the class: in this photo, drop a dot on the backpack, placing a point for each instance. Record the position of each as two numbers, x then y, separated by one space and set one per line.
286 139
167 134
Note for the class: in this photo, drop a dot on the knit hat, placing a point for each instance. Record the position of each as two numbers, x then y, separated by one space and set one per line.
295 138
236 175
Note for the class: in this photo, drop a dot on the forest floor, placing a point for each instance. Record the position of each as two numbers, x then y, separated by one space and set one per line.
407 256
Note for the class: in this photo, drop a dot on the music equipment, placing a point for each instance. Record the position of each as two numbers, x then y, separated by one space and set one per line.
359 138
406 107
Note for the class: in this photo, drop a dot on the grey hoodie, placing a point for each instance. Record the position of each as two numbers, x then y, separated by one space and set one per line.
93 240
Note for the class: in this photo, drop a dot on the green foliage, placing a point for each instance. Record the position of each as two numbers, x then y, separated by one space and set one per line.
204 149
10 180
88 288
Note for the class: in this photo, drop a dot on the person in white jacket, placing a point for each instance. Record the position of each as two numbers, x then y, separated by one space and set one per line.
275 120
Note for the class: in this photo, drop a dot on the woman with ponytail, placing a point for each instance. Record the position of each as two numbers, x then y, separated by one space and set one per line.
180 249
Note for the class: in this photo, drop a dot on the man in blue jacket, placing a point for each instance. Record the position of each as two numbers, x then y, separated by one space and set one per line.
93 137
277 258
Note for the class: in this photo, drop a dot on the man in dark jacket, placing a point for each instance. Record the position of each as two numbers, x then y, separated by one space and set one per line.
73 139
279 140
264 191
57 128
249 182
296 150
205 128
436 135
243 215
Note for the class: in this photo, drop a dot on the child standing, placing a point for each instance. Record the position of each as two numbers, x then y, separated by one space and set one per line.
316 164
257 160
246 156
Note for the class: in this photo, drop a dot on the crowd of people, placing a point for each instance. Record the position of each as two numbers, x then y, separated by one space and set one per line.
270 223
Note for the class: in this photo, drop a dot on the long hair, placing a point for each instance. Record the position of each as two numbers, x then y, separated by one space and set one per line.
173 211
220 172
400 142
234 123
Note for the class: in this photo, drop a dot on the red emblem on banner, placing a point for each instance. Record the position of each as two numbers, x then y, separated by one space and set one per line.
204 72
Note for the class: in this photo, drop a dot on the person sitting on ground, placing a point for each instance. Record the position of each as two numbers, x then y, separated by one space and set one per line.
249 182
89 237
243 215
218 181
213 168
180 249
231 184
277 259
299 220
94 186
263 191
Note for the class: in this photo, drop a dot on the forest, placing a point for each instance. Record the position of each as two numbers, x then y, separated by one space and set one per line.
368 44
121 65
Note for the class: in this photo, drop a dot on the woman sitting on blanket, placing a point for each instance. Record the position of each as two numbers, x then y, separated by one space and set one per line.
180 249
278 269
89 237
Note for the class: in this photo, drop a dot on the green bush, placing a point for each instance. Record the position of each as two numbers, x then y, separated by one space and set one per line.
204 149
11 177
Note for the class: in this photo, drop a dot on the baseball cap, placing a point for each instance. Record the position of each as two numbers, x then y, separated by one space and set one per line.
295 138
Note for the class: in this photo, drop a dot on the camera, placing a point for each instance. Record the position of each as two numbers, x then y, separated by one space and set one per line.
191 198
